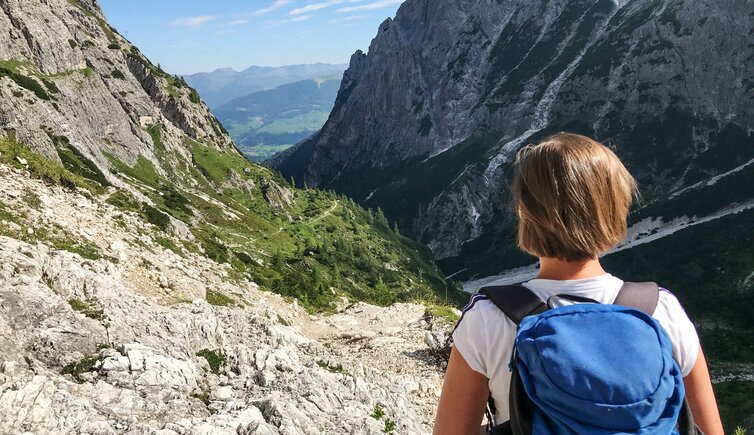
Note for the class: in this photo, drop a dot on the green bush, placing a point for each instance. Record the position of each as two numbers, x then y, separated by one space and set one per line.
219 299
215 250
114 46
116 74
378 412
156 217
85 309
26 82
76 369
389 425
215 359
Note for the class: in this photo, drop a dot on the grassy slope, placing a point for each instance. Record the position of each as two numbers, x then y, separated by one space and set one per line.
317 249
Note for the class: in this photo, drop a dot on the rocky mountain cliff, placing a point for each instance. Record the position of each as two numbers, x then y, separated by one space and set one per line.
668 84
427 124
153 280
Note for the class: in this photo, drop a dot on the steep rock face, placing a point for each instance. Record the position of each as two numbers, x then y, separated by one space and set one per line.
668 84
94 90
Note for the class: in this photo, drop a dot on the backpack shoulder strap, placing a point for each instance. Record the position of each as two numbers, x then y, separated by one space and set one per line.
515 300
640 295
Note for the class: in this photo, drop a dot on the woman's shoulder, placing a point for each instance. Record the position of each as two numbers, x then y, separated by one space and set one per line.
482 315
483 335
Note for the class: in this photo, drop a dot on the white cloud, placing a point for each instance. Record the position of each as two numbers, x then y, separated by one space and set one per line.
369 6
271 8
319 6
238 22
192 21
297 19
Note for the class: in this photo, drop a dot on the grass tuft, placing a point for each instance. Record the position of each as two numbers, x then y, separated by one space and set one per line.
215 359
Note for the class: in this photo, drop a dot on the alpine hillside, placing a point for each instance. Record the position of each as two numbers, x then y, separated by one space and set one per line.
426 126
153 280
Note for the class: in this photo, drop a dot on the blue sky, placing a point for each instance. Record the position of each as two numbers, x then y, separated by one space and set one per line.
188 36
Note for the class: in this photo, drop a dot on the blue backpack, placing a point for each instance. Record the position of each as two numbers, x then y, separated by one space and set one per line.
590 368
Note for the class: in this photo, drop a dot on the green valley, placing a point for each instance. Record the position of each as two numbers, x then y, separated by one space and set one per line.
267 122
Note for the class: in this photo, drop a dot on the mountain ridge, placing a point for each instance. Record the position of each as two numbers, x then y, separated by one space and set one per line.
223 85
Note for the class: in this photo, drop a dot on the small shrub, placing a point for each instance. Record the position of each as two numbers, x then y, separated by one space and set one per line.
194 97
203 396
32 199
51 86
114 46
76 369
219 299
169 245
177 202
389 425
215 359
26 82
116 74
76 162
156 217
215 250
337 368
378 412
85 309
282 321
124 201
72 43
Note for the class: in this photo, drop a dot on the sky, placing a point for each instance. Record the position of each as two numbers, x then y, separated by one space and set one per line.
189 36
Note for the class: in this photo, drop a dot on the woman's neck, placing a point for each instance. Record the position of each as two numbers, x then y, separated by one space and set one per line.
554 268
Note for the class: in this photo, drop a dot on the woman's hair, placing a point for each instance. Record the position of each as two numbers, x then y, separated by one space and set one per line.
573 196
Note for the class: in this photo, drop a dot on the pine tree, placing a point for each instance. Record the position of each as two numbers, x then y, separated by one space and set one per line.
278 262
381 219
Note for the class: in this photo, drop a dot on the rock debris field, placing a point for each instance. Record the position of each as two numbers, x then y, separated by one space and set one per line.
104 330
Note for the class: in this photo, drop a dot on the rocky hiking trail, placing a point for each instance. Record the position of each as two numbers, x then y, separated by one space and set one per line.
111 327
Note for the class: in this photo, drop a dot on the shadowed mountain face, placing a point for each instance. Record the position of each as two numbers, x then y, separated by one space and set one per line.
668 84
267 122
224 85
427 124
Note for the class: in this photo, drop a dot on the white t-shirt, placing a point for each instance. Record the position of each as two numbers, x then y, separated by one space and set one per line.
484 335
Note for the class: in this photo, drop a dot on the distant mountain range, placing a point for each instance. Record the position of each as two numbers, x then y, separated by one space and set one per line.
266 122
223 85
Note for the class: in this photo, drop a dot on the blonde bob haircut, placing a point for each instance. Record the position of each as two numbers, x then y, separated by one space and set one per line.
572 195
